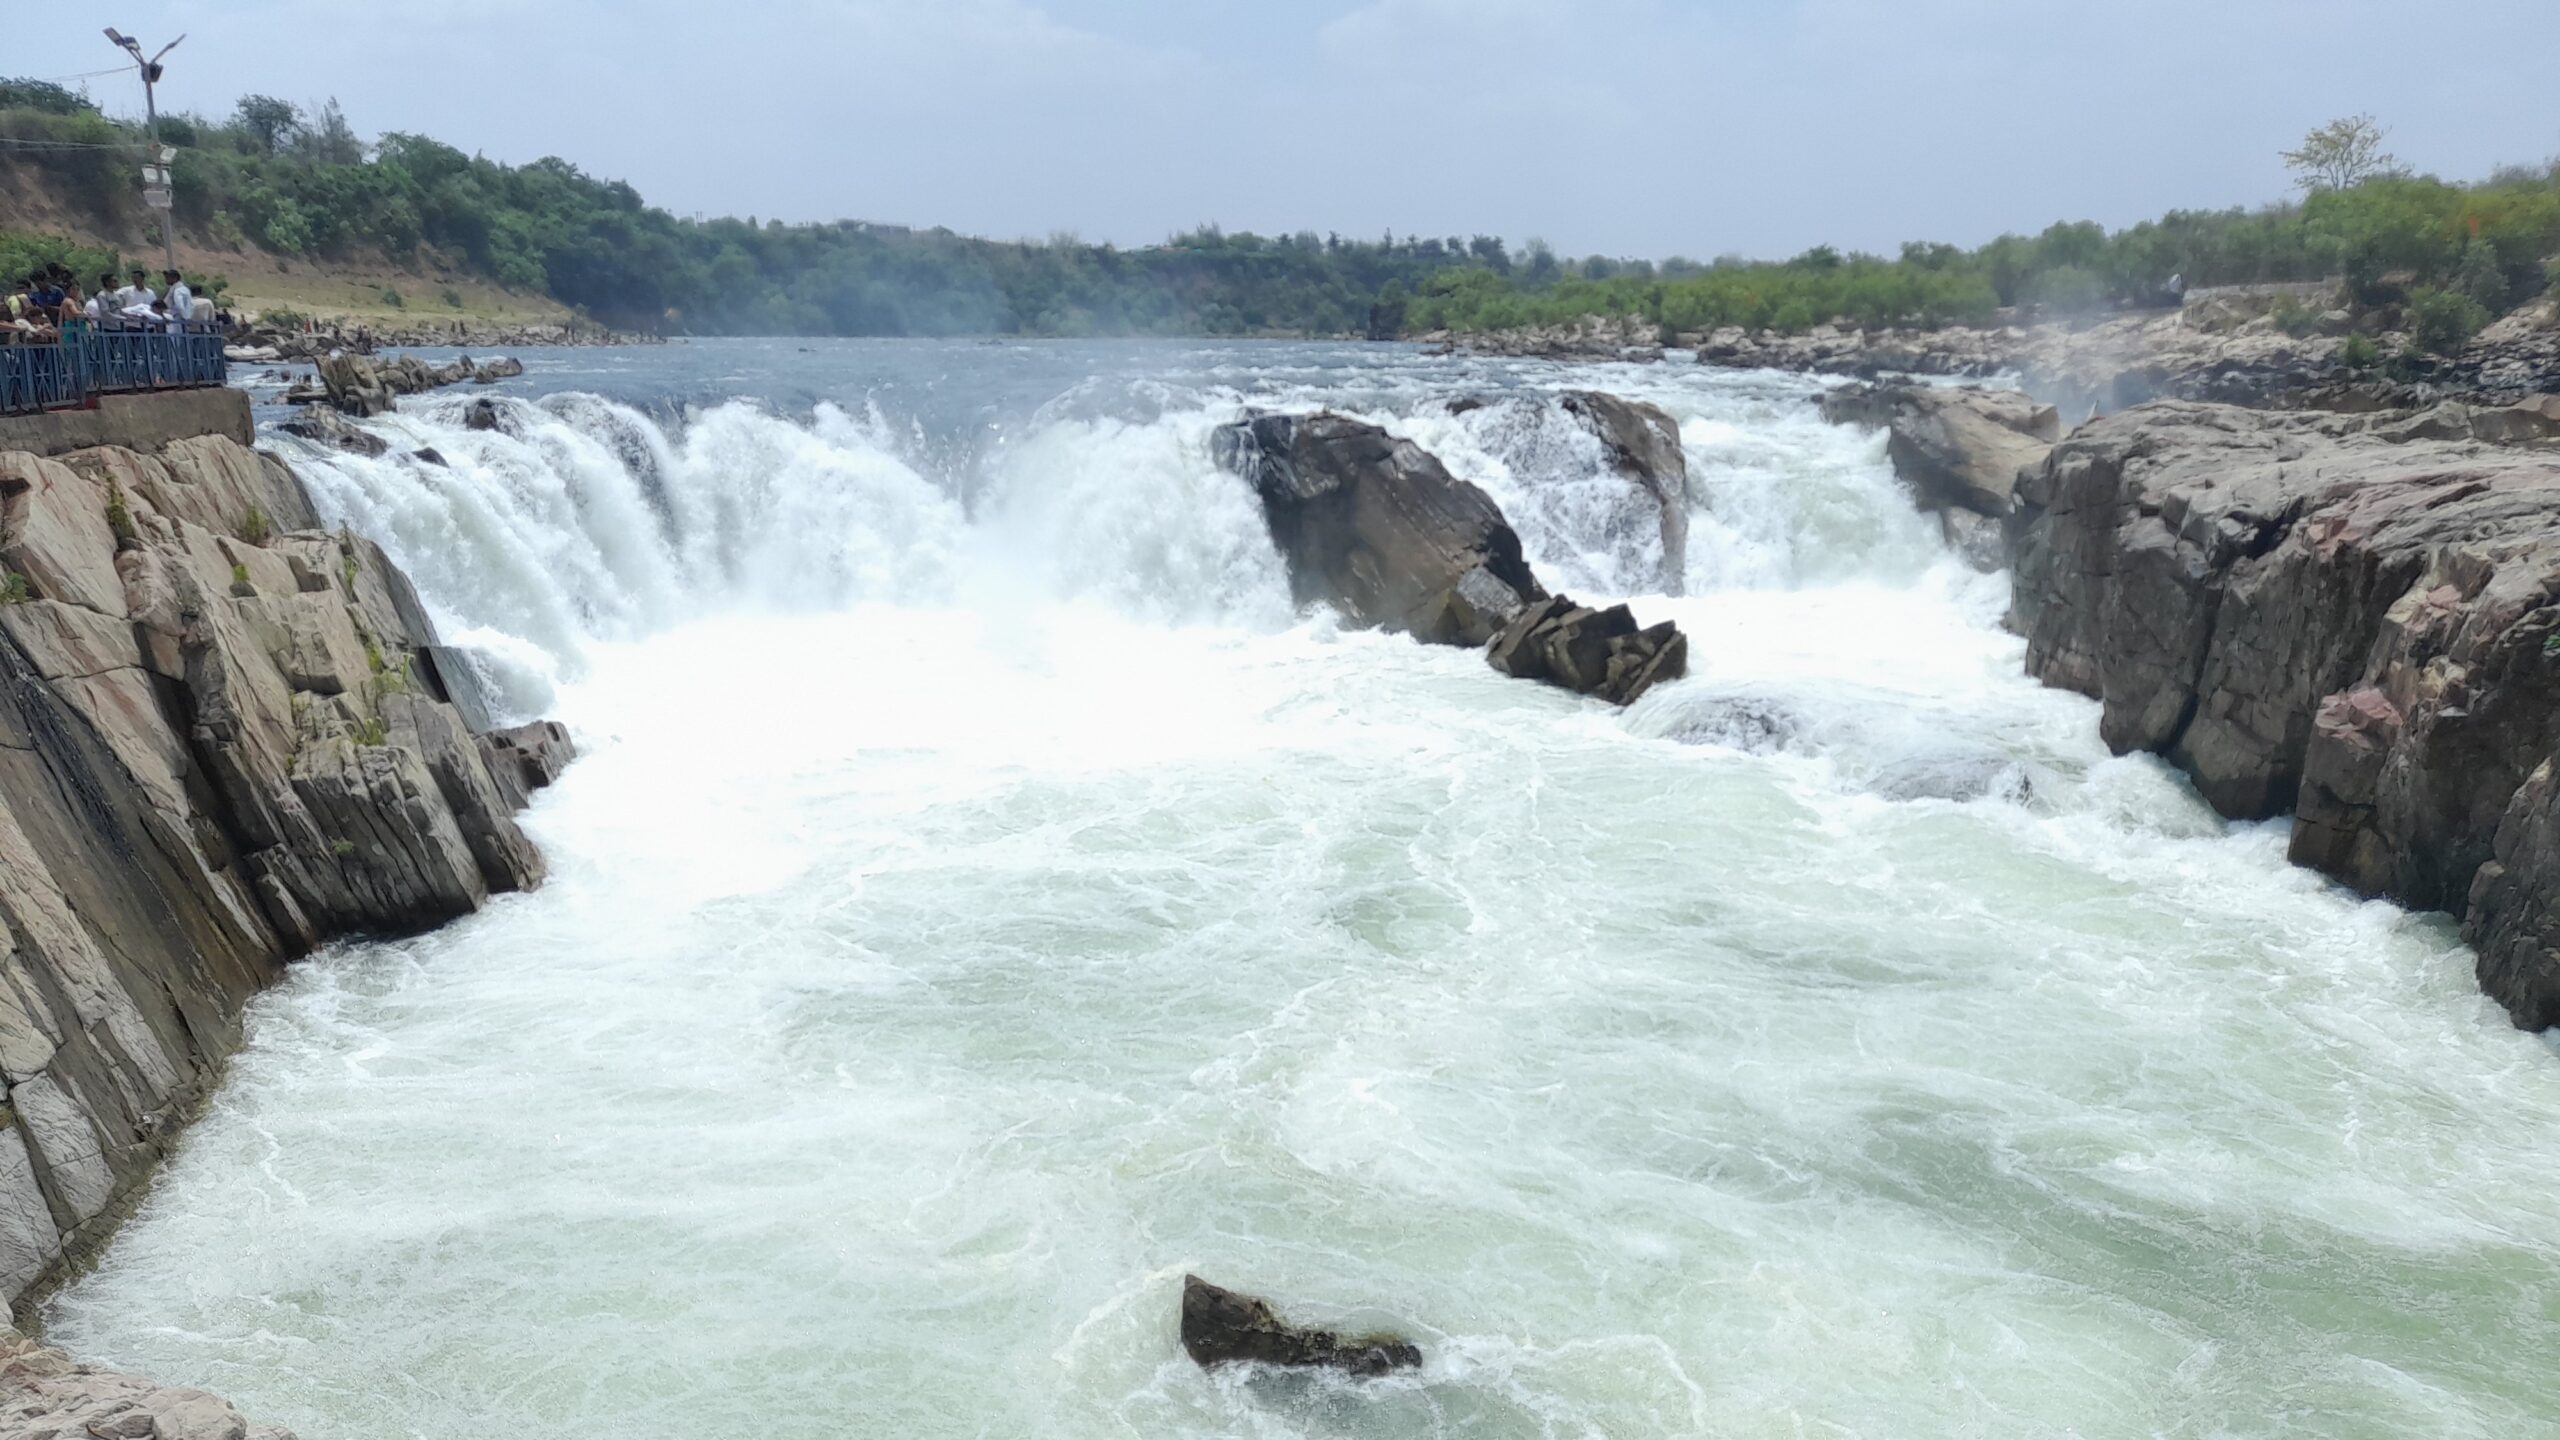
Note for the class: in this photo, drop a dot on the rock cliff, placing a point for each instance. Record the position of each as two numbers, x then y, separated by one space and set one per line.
226 736
2352 620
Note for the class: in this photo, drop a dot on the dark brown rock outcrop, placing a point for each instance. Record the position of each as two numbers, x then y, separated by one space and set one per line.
1643 445
2318 615
1380 530
1590 652
1222 1327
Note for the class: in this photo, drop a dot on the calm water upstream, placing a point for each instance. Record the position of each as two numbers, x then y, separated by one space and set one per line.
983 900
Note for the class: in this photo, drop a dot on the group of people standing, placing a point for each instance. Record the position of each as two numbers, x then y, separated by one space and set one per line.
50 300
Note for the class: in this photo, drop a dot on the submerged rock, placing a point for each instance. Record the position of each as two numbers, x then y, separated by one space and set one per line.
1590 652
327 427
1379 529
1222 1327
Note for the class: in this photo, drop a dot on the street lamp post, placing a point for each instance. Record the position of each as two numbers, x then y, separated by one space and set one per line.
156 191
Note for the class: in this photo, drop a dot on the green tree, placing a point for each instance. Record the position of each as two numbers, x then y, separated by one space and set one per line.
268 123
2341 155
43 97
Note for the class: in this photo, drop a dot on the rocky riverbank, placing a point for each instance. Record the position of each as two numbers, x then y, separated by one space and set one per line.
2350 620
2229 347
227 736
47 1395
259 343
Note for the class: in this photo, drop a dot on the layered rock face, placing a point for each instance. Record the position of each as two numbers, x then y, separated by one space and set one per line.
2328 616
226 736
2514 920
1379 529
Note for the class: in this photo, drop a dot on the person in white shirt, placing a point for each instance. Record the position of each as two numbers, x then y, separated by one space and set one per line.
182 301
138 293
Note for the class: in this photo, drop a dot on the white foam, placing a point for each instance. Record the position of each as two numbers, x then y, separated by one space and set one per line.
968 918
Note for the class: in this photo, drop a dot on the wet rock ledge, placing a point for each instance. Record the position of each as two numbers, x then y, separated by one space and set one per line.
227 736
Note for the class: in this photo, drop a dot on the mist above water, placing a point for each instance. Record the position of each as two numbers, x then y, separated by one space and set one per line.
983 900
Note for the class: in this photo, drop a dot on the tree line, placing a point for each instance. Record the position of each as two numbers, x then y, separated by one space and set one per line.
304 185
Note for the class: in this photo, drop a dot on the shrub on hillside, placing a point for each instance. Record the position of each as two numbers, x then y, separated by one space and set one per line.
2444 321
2480 279
2360 353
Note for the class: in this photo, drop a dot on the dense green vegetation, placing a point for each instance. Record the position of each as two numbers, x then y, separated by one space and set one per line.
307 187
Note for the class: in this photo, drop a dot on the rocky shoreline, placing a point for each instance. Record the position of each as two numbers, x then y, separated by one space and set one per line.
2230 347
256 343
2348 620
2325 593
227 737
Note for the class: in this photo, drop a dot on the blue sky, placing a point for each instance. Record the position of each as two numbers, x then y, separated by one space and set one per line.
1637 127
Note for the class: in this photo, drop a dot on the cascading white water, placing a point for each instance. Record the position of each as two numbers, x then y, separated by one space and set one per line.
982 900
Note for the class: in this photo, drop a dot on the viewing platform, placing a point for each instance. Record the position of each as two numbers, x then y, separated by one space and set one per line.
92 360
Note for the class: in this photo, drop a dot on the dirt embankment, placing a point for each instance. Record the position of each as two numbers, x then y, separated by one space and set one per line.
357 289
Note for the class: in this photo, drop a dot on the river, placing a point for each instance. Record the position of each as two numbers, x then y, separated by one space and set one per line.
982 901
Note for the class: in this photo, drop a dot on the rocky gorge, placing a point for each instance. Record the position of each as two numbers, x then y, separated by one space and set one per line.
2348 620
227 736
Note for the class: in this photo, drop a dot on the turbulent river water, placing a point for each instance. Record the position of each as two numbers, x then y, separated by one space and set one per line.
983 900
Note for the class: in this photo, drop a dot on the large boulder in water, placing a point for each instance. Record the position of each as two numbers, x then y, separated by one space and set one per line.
1222 1327
1956 449
1643 445
353 383
1590 652
1379 529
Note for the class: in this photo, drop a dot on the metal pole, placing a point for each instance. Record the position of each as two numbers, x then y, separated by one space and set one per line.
151 128
156 178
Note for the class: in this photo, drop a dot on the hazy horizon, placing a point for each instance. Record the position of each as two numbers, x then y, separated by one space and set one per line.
1625 127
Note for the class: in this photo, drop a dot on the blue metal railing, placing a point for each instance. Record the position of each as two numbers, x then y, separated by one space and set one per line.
93 359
